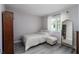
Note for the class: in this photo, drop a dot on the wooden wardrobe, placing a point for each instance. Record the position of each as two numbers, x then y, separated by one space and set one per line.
77 42
7 32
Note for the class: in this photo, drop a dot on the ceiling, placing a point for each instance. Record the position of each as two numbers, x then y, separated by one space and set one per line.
37 9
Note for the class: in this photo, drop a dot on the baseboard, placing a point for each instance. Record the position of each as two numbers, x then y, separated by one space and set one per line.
17 41
0 51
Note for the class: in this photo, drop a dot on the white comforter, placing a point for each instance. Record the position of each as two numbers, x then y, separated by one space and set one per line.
34 39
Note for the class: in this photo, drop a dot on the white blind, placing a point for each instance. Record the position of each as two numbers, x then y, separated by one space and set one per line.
54 23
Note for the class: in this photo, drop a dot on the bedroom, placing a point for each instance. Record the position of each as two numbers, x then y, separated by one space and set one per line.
43 23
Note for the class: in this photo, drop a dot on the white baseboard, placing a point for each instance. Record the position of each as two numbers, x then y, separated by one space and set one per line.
0 51
17 41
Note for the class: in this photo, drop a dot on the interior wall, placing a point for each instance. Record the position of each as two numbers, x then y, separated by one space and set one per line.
2 8
78 19
44 22
24 24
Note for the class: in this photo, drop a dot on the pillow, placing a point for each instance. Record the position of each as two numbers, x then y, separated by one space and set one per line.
44 31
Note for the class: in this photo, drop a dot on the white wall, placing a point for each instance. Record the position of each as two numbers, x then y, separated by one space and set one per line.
24 24
44 22
78 18
1 9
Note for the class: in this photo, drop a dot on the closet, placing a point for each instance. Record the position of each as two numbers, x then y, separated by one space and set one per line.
7 32
67 33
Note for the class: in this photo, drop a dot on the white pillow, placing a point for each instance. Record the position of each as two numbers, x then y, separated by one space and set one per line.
44 31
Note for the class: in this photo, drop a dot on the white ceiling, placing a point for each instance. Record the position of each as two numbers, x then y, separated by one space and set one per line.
37 9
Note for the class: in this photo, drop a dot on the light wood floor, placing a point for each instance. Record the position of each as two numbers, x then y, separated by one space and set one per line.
43 49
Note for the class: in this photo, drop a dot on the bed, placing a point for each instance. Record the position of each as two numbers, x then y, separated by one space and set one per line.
38 38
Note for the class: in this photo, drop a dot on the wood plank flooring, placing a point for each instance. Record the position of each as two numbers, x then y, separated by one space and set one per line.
43 49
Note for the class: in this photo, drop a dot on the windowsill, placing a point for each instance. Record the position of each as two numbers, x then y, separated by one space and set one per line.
54 31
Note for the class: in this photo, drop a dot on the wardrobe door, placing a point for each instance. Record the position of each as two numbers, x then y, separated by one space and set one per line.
77 42
7 24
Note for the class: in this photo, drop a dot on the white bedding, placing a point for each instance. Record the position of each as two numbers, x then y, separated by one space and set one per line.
33 39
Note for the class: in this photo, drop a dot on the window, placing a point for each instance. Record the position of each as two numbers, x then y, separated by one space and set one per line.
54 23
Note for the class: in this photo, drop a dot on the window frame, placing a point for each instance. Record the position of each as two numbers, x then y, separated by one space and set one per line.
58 29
